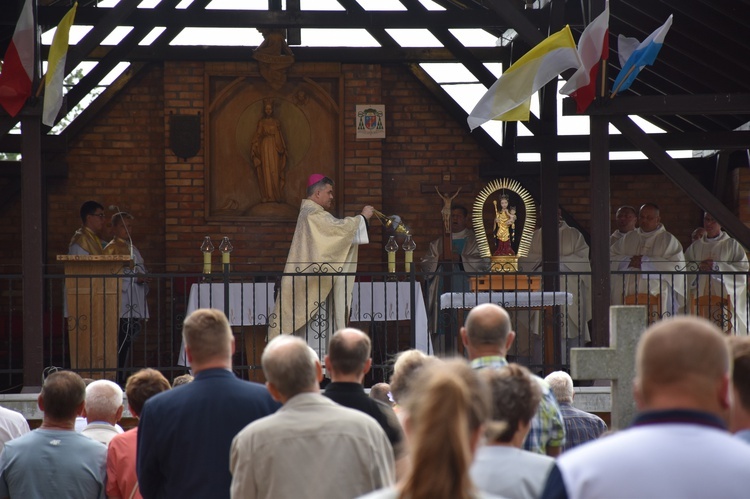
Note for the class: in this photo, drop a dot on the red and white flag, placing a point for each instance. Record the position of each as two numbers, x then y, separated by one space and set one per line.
18 65
593 46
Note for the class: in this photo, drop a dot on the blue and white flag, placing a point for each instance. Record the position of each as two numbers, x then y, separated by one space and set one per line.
635 56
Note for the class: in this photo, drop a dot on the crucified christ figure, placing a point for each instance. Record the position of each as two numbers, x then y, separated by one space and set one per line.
446 211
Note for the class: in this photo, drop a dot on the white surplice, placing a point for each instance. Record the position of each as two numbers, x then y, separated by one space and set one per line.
728 256
574 257
662 254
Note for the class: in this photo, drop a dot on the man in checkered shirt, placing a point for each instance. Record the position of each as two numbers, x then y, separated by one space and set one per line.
487 337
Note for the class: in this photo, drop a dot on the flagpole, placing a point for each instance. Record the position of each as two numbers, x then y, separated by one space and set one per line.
614 92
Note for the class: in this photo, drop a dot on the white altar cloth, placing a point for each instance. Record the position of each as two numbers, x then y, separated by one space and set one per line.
251 304
507 299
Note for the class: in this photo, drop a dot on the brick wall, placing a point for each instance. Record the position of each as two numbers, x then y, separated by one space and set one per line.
117 160
679 214
123 158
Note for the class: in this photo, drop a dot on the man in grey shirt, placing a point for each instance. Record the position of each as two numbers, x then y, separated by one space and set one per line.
334 452
55 461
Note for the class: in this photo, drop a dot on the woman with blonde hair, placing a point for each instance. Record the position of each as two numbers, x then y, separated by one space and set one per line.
444 422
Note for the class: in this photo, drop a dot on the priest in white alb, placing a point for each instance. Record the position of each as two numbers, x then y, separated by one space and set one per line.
316 288
654 262
574 262
721 255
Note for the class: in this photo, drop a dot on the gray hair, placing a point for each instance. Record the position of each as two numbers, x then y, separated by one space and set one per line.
319 185
562 386
103 398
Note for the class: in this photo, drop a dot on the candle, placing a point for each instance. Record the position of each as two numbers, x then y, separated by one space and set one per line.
206 263
408 258
391 261
225 258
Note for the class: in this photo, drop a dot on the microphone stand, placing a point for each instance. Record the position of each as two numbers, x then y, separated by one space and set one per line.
130 239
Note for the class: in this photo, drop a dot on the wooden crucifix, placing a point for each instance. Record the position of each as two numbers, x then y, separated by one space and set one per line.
444 190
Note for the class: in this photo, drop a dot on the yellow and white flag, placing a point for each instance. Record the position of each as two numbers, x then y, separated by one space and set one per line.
53 80
509 98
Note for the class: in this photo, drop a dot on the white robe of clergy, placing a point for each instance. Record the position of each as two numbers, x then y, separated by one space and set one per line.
616 236
133 303
661 254
574 257
316 293
728 256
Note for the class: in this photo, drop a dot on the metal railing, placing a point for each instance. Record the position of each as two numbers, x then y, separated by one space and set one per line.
398 311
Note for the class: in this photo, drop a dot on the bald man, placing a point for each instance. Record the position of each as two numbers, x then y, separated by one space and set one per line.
650 255
312 447
625 219
487 336
679 439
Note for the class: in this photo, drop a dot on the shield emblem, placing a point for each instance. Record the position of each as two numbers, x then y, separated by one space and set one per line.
185 134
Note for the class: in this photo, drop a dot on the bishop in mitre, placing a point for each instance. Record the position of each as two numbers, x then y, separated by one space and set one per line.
316 289
722 255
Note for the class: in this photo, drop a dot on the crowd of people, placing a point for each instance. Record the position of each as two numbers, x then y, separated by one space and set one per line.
475 427
444 428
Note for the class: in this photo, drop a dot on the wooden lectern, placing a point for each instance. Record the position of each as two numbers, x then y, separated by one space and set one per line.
92 291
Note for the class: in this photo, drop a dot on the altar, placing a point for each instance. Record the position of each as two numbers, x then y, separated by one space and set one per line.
250 304
507 299
515 300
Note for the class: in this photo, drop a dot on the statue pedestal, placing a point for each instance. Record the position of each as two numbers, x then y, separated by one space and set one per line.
506 281
504 264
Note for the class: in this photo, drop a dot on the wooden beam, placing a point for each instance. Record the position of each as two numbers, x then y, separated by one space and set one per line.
532 169
668 141
51 144
109 20
518 20
214 18
692 187
720 175
32 248
600 213
655 105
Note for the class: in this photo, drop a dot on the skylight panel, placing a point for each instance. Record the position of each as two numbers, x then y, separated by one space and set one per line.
320 5
474 37
414 38
449 72
115 73
117 35
495 68
233 37
430 5
238 5
152 35
77 32
381 5
325 37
